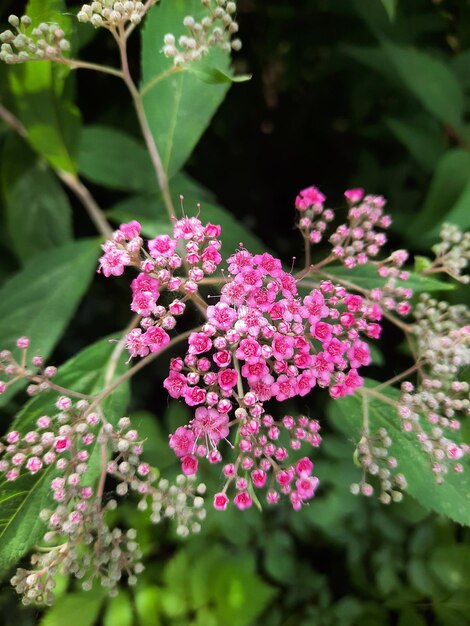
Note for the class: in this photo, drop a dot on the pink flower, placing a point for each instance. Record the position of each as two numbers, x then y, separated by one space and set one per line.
354 195
227 379
130 230
34 464
248 350
189 465
175 384
182 441
242 500
163 245
194 396
308 197
156 338
211 424
283 347
199 343
62 443
220 501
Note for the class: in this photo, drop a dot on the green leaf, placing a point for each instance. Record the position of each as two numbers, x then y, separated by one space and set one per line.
22 500
421 136
42 97
40 300
366 277
114 159
119 610
147 604
422 263
451 499
80 608
179 107
429 80
214 76
451 565
450 188
390 7
39 215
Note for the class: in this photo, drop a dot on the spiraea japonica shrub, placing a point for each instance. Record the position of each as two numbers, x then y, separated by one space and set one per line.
270 332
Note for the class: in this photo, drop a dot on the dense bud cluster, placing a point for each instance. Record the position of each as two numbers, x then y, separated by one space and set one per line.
373 456
214 30
78 539
110 14
432 409
452 253
45 41
194 248
358 242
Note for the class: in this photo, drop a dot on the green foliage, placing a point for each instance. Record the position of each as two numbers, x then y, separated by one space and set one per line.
39 215
180 107
40 300
42 97
22 500
114 159
80 608
451 499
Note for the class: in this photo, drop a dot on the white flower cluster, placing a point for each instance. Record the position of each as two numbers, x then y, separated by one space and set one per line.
213 31
453 252
46 41
109 14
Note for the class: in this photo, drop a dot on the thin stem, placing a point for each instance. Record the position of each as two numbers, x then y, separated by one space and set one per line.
136 368
12 121
95 213
59 389
307 251
174 69
75 64
144 126
398 377
379 396
104 463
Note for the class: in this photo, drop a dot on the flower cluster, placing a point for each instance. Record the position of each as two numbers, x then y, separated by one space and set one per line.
214 30
432 409
452 253
46 41
358 242
78 538
262 341
34 371
373 456
159 263
110 14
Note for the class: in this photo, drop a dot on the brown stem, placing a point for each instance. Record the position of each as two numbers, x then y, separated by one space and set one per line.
398 377
94 211
144 126
12 121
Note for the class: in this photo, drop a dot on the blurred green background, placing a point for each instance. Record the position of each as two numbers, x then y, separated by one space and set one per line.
344 93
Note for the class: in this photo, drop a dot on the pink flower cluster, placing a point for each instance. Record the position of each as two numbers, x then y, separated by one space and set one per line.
193 248
263 341
358 241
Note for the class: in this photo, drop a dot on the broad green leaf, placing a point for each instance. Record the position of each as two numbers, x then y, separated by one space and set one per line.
421 136
79 608
147 599
451 499
150 212
366 277
39 215
390 7
42 97
451 565
119 610
114 159
40 300
22 500
179 107
430 80
157 452
448 195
